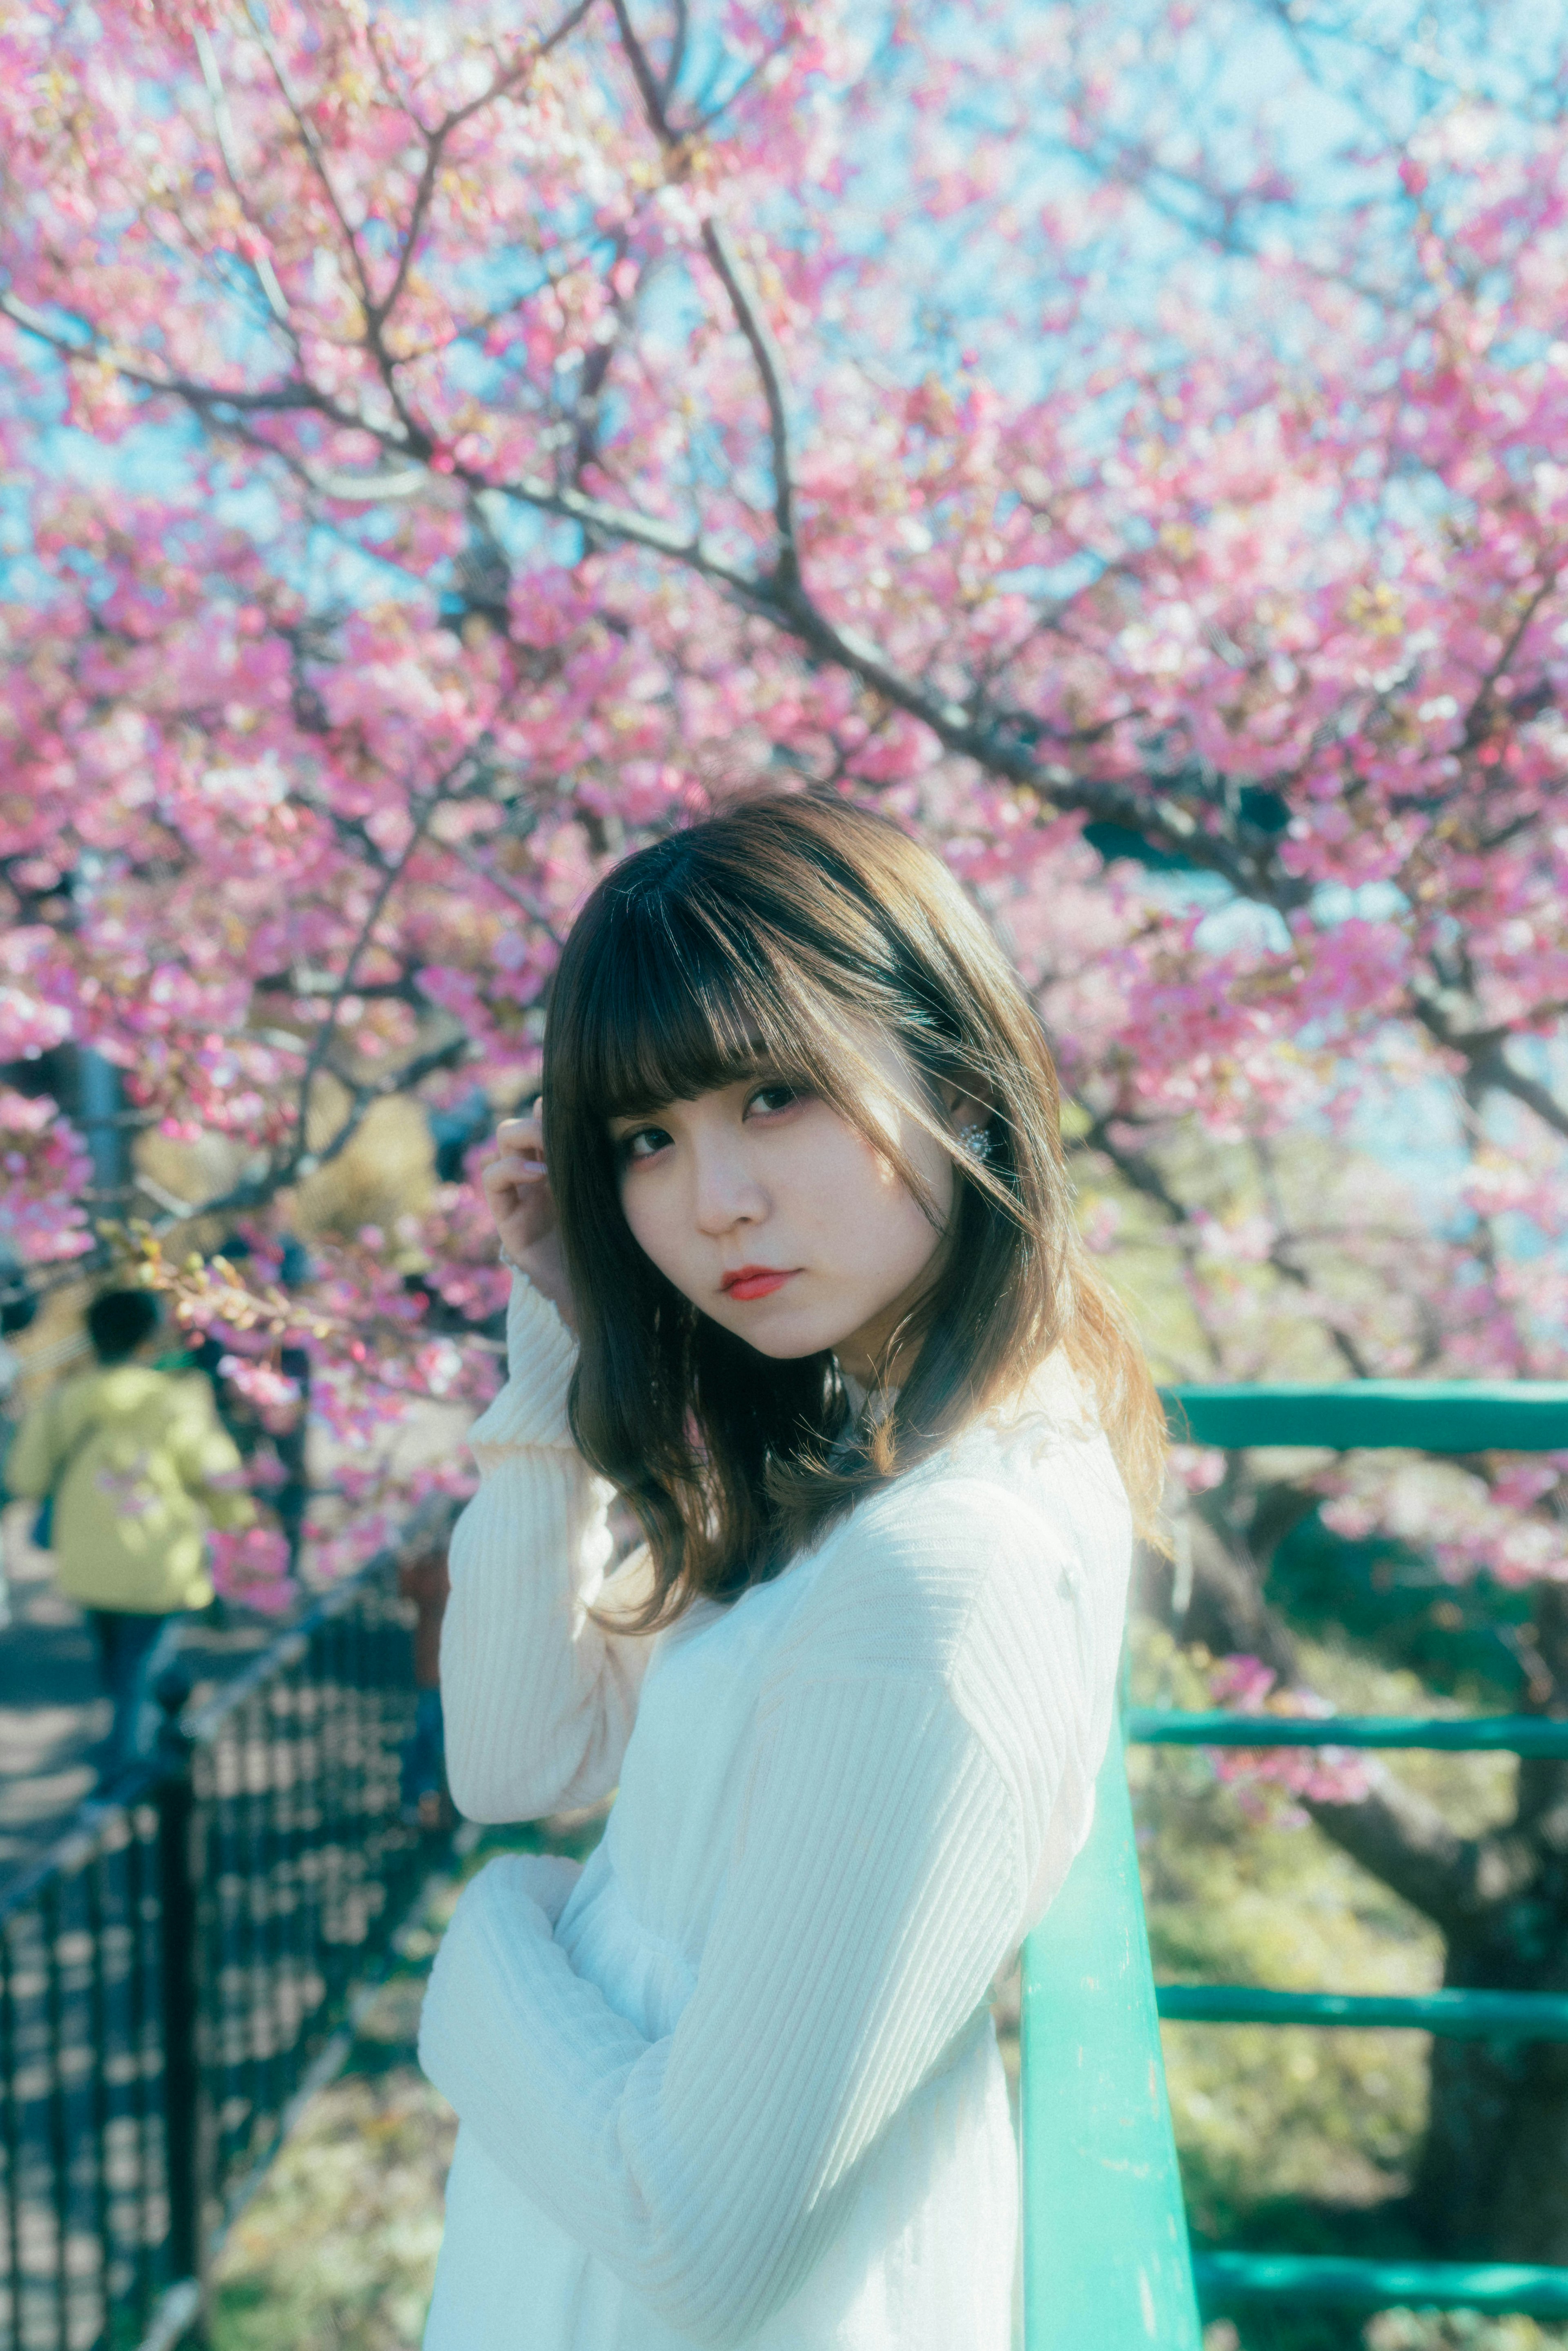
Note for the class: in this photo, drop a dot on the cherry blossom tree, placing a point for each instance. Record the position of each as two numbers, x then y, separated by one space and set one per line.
444 448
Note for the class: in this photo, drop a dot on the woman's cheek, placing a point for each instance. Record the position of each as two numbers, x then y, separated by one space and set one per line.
638 1204
832 1163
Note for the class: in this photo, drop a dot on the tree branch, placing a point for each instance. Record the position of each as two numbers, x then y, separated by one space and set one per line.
1407 1843
770 363
256 1192
266 276
750 315
1493 1071
998 744
322 1043
312 145
1484 1053
435 149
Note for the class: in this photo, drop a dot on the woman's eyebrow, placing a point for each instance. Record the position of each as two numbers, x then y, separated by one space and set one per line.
634 1111
761 1061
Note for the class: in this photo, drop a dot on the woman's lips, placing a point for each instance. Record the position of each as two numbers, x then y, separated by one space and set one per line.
756 1281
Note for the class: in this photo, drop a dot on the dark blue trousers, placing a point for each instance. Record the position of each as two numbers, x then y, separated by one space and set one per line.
133 1649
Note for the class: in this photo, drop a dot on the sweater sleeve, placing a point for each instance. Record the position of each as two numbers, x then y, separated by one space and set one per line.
36 1454
538 1700
882 1866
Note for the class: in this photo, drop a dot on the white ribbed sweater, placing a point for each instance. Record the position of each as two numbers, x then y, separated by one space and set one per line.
736 2081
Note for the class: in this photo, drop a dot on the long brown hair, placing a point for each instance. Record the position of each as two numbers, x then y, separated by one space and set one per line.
773 934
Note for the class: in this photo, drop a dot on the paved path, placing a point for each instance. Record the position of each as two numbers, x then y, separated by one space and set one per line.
52 1715
50 1711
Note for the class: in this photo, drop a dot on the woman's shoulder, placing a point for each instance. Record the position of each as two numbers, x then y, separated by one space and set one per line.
979 1534
81 1400
1052 1413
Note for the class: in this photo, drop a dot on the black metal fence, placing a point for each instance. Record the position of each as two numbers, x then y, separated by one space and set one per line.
173 1972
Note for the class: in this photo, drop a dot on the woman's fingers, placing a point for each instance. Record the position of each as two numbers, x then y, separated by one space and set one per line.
511 1167
517 1185
524 1134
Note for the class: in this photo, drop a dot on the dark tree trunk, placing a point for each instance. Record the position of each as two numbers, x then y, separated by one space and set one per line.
1493 2179
1492 2183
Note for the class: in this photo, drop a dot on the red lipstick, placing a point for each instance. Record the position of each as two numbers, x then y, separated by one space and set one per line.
756 1281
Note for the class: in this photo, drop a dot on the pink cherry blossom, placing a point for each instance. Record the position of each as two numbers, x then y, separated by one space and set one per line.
1327 1775
446 449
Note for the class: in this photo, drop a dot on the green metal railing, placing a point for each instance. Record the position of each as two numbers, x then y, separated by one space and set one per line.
1104 2239
1106 2258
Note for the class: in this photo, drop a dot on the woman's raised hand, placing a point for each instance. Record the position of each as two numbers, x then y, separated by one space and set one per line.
518 1190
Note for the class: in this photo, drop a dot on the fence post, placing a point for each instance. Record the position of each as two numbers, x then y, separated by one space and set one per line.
1105 2243
175 1798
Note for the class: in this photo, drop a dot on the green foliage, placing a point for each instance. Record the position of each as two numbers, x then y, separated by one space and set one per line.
1295 2139
1390 2330
1459 1638
1459 2330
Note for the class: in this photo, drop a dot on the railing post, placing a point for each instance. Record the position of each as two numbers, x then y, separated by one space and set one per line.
1106 2262
179 1990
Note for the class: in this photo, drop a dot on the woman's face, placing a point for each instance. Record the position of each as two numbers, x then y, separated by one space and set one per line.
780 1221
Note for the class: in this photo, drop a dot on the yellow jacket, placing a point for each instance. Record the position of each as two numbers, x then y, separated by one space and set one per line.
141 1450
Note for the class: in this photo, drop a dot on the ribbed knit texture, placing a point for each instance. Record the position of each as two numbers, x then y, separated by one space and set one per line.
737 2082
540 1701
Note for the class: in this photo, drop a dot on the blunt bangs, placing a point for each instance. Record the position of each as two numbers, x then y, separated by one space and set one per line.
677 1002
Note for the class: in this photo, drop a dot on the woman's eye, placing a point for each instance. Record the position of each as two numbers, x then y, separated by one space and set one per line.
642 1143
775 1097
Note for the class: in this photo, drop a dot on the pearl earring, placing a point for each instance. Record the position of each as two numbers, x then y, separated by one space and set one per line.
976 1140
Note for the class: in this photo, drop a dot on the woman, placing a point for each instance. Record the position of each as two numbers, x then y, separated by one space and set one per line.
735 2080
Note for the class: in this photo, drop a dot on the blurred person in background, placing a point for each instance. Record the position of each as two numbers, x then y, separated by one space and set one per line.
132 1467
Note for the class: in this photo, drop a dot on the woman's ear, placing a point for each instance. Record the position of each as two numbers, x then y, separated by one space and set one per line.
965 1106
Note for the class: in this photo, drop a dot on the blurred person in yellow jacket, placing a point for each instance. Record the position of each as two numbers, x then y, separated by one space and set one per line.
133 1463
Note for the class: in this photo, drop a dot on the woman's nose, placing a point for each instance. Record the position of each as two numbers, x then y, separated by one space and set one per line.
726 1194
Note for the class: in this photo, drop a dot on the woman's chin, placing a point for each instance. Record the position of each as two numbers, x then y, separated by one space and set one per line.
784 1338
